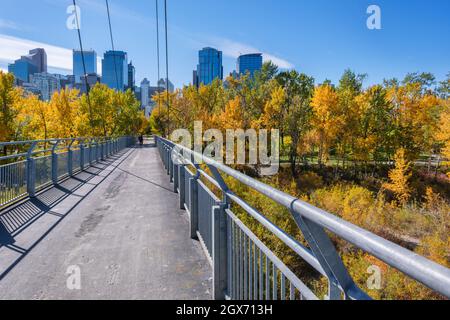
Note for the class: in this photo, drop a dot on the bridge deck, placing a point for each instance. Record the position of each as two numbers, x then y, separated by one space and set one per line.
118 222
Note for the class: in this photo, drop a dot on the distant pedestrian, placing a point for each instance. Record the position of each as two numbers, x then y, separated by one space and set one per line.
141 140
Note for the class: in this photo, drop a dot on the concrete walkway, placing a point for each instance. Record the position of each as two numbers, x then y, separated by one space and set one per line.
117 225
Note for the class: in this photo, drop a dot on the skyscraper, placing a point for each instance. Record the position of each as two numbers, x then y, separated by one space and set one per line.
115 77
22 69
209 67
131 77
38 57
34 62
90 60
145 85
195 79
47 83
249 63
162 84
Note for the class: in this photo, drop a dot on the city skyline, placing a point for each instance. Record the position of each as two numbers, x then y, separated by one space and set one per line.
320 38
30 71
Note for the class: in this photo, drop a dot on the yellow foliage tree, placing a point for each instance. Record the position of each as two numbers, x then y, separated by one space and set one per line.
443 134
399 177
65 107
273 115
37 117
10 98
326 121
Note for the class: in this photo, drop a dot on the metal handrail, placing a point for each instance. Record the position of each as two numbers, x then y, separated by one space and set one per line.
429 273
37 168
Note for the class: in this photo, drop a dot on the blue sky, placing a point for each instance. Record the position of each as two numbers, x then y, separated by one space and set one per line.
321 37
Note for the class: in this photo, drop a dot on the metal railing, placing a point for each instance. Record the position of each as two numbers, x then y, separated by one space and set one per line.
33 165
245 268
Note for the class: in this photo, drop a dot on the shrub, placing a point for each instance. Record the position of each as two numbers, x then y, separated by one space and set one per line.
358 204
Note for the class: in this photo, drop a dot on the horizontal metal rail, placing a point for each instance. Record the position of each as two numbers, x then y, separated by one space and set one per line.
36 164
312 222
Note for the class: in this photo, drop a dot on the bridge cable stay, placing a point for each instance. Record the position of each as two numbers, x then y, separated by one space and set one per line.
83 62
112 44
157 55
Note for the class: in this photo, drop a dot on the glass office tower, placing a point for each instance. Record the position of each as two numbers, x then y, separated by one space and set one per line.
23 69
90 60
249 63
115 77
210 66
34 62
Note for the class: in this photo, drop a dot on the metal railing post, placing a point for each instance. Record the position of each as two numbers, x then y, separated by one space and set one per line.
182 178
220 240
70 158
91 151
82 155
219 251
55 163
175 175
193 196
31 171
97 151
103 151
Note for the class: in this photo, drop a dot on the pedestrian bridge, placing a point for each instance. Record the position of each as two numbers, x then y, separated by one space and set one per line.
107 219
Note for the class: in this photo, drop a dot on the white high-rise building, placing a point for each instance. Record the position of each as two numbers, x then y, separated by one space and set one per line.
47 83
162 84
145 99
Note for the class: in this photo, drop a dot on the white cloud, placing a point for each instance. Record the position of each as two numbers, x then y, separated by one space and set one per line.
6 24
13 47
58 58
234 49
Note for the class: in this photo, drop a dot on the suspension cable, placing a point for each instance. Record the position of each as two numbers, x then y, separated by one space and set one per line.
112 45
83 62
157 56
167 70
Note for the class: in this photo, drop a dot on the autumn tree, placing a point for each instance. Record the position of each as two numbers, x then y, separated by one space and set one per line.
9 108
65 106
37 118
299 89
350 86
326 120
399 178
373 127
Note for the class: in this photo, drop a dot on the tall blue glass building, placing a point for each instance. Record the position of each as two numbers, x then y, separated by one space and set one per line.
22 69
209 67
34 62
90 60
249 63
109 71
